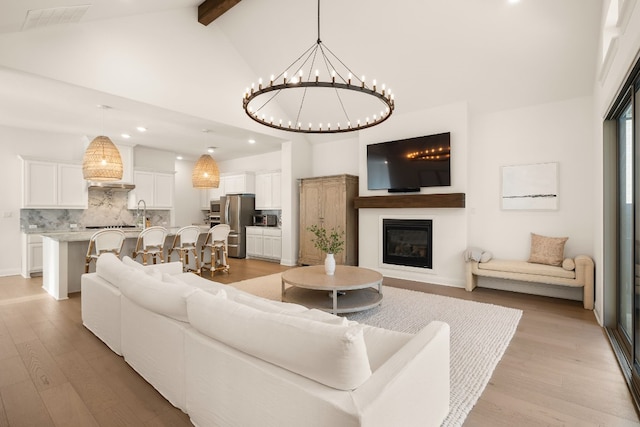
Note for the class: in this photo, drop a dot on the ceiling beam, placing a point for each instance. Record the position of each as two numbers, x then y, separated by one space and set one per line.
210 10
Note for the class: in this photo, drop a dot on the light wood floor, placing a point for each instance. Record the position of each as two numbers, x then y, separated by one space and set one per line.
558 370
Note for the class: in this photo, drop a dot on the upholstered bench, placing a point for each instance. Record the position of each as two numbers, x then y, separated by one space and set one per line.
581 276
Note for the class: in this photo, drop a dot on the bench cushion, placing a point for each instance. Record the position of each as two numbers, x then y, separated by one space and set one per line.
513 266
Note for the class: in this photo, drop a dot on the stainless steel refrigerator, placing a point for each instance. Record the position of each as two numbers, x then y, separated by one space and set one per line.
237 210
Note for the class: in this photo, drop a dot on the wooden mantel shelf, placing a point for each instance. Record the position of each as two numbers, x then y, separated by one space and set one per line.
448 200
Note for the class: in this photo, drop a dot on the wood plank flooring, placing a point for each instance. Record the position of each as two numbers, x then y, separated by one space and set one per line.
558 370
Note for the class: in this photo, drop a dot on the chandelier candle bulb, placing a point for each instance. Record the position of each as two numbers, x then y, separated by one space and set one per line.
260 83
349 79
374 85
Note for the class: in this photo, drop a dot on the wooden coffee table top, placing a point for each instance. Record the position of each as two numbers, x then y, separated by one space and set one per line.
346 277
348 290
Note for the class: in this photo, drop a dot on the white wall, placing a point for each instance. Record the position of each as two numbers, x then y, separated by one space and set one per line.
262 162
336 157
539 134
186 209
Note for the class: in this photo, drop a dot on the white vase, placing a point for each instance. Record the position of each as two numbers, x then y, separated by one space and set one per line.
329 264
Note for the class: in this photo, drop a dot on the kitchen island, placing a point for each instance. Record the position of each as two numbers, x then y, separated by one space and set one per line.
64 255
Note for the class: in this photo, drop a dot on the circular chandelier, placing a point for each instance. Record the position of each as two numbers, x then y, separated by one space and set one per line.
341 90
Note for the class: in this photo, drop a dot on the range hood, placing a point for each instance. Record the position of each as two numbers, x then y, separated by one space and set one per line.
114 186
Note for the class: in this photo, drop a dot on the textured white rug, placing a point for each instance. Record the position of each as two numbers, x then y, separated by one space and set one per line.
480 333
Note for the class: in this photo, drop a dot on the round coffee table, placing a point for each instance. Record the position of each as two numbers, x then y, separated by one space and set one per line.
350 289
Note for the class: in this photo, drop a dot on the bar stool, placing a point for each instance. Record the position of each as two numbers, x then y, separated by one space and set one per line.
150 243
107 240
185 242
216 241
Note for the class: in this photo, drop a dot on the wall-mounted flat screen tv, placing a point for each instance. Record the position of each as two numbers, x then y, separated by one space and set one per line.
408 164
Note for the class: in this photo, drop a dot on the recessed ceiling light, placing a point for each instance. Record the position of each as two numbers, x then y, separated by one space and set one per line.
211 149
252 141
125 135
179 157
514 1
141 129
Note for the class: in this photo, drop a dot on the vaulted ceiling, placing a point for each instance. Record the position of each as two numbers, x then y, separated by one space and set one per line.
158 67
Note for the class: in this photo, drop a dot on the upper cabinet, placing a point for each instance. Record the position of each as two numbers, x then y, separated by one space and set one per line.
233 183
53 185
155 188
239 183
268 192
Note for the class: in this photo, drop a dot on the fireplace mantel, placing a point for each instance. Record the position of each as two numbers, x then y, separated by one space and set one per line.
448 200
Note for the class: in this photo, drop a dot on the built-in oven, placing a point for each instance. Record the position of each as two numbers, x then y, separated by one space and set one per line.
214 213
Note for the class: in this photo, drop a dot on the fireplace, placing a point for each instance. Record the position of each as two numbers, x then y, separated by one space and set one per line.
407 242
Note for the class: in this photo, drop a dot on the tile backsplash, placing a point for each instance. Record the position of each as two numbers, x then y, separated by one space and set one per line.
105 207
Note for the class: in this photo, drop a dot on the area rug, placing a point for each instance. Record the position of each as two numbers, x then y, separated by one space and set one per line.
480 333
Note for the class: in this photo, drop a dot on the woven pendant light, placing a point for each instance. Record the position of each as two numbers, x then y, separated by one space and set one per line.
102 161
205 173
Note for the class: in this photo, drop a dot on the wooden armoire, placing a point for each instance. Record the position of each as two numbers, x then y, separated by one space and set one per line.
328 201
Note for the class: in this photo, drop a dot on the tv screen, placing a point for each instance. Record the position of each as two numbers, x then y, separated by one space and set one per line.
409 164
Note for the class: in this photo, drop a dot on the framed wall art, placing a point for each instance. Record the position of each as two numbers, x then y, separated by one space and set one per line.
530 187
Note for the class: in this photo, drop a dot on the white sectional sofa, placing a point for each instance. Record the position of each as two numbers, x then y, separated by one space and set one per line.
228 358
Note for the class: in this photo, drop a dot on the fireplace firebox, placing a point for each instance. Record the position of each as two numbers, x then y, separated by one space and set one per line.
407 242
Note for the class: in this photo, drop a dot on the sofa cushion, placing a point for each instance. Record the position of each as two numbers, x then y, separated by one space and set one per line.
111 269
512 266
211 286
132 263
332 355
268 306
289 309
547 250
155 295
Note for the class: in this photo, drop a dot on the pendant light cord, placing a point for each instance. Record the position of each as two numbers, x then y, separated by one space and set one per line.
319 22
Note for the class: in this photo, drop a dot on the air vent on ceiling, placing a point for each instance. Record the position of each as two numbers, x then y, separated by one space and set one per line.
39 18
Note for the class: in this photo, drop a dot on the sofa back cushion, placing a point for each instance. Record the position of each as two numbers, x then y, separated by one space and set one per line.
333 355
111 269
168 299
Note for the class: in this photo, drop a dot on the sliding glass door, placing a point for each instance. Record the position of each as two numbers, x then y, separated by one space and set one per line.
625 333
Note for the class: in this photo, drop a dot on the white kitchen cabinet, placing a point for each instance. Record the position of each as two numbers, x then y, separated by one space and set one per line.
72 188
272 243
31 254
53 185
268 193
264 242
239 183
155 188
254 242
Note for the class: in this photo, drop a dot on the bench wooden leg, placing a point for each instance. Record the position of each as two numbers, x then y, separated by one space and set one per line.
472 279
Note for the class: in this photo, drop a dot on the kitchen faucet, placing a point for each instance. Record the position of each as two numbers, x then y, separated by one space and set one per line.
144 214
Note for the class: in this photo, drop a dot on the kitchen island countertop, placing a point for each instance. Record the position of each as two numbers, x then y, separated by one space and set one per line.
85 235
